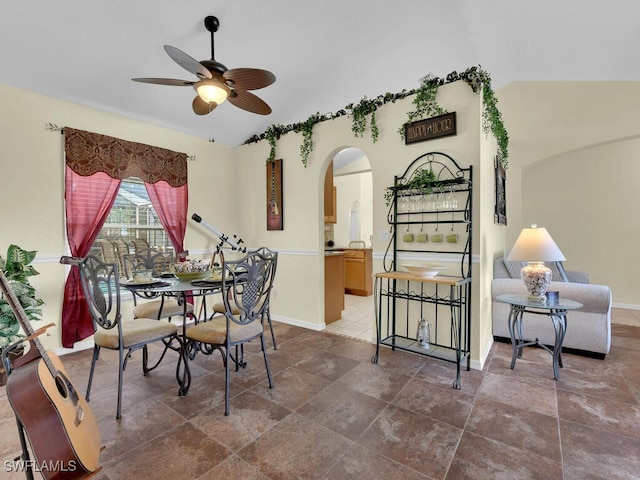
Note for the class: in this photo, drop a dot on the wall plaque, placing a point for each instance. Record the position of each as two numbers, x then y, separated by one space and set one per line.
430 128
274 195
501 194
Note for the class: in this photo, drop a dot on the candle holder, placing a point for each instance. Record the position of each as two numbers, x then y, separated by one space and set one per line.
423 335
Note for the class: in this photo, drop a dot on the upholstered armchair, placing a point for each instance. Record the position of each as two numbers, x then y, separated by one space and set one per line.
588 329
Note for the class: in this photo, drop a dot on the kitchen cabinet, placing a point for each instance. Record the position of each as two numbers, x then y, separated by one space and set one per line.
330 197
357 271
333 286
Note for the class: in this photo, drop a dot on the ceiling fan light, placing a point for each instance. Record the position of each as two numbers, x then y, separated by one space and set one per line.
212 91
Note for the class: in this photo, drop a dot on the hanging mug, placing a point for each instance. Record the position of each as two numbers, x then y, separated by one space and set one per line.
408 236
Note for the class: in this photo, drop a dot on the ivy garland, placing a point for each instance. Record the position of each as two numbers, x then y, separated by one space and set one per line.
307 141
426 105
425 102
359 114
272 134
492 122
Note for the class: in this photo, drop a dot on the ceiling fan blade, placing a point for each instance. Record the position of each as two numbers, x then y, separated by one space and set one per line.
249 102
165 81
190 64
200 107
249 78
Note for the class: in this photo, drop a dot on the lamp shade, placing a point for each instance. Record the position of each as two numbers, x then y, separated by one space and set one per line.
212 91
535 245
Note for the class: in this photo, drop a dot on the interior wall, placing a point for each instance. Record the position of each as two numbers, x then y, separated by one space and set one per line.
32 173
227 187
593 218
574 169
354 192
301 242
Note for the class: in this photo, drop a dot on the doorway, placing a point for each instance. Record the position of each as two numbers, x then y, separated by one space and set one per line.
353 181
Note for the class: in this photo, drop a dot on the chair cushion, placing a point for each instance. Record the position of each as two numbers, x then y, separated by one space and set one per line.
214 331
219 308
150 309
134 331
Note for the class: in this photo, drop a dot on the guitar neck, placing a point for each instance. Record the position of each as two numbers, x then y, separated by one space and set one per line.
23 320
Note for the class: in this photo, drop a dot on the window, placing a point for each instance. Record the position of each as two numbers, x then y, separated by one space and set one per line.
133 222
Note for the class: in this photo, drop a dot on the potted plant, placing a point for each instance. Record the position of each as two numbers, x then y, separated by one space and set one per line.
422 181
17 268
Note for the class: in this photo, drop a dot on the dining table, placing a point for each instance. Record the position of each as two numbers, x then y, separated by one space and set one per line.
184 291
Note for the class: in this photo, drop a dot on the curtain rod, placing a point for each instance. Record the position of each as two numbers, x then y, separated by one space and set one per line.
55 128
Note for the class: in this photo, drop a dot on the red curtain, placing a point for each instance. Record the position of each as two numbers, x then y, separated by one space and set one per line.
96 164
88 201
170 204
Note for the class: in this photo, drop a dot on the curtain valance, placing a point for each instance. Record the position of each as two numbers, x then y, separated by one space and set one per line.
88 153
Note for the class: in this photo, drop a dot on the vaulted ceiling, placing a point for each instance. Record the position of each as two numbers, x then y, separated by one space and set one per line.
325 54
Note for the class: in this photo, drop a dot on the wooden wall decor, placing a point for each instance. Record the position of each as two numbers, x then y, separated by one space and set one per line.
274 195
501 194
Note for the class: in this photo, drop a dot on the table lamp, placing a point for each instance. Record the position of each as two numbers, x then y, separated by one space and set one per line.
535 246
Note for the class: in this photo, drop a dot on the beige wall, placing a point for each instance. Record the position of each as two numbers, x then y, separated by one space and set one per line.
354 193
32 176
227 188
574 169
301 243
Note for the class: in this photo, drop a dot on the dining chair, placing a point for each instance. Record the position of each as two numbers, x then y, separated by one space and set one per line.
139 244
101 288
267 253
154 306
247 282
108 250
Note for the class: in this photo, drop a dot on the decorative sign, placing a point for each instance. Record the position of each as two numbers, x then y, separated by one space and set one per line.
430 128
274 195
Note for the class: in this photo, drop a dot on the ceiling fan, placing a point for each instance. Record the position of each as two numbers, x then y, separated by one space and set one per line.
215 82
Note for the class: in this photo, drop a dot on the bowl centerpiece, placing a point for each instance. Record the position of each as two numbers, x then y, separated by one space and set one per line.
423 269
194 269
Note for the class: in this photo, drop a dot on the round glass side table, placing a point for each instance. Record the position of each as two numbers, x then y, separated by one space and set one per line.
556 311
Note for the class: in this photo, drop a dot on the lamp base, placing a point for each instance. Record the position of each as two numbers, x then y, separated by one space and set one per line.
536 277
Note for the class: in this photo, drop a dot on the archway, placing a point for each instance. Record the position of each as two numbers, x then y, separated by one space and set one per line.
348 218
353 182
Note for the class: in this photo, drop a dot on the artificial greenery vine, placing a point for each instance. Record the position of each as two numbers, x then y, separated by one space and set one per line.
307 137
272 134
422 181
426 105
492 122
359 114
425 102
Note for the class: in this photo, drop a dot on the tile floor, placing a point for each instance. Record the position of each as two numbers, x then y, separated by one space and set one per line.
335 415
357 319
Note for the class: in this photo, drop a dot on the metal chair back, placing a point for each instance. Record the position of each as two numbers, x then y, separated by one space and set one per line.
101 288
147 259
248 281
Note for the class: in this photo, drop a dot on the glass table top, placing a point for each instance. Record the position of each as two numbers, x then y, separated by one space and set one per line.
525 301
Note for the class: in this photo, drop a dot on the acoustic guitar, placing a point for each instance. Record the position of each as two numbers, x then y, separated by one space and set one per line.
274 216
58 421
